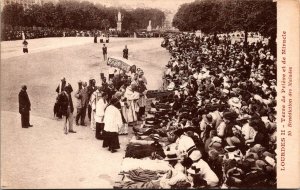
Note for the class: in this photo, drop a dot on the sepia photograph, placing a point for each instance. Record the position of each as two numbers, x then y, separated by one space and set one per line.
147 94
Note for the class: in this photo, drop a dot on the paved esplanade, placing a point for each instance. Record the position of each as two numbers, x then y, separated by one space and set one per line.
42 156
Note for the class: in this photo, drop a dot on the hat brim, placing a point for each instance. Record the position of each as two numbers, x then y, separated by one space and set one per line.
230 148
169 159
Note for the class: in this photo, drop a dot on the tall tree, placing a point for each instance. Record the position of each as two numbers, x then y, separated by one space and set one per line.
13 14
76 14
216 16
181 18
105 24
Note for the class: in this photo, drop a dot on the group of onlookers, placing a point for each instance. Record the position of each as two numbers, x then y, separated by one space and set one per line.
222 114
110 107
7 34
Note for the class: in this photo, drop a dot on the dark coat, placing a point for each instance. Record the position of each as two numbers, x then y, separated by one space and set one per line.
24 102
60 87
85 97
90 90
64 100
104 50
125 53
63 85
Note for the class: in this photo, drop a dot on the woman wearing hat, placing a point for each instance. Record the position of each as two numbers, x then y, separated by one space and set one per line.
176 172
142 100
260 135
224 130
237 139
195 178
200 167
185 144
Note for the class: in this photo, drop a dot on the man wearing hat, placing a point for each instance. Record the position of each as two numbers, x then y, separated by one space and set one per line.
59 89
78 95
84 102
24 107
61 85
66 107
90 89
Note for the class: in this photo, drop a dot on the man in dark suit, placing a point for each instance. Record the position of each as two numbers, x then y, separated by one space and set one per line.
90 89
67 108
84 101
60 88
125 52
24 107
104 51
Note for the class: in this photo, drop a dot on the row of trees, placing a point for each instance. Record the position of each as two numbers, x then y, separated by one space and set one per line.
219 16
78 15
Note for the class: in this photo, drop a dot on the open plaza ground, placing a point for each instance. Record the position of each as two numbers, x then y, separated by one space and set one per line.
43 156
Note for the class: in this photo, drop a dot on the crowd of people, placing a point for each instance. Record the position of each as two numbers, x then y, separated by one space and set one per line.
111 106
218 121
221 115
31 33
8 34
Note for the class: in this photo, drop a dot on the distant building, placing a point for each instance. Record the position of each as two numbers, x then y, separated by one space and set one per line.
26 3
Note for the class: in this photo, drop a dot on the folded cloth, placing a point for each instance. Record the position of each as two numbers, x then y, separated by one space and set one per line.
138 185
142 175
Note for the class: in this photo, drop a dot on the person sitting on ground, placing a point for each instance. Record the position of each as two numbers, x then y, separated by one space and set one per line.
175 174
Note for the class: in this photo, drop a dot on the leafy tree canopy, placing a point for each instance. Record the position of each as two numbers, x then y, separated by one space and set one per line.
216 16
82 15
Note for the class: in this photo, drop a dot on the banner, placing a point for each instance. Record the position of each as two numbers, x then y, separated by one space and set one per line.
119 63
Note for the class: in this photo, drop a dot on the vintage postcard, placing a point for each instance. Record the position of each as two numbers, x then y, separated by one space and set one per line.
150 94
